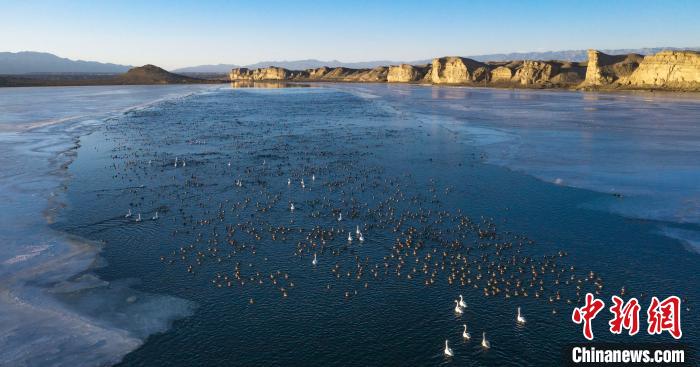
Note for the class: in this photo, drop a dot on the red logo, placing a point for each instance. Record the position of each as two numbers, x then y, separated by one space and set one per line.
661 315
587 313
665 316
626 316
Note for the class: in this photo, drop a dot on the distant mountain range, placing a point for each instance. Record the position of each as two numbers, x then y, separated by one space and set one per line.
293 65
26 62
570 55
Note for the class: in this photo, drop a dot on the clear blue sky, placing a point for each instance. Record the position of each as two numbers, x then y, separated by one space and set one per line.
184 33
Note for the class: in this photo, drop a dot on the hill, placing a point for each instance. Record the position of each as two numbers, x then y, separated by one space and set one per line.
151 74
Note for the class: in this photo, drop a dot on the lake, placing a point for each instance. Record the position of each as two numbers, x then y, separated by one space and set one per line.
336 224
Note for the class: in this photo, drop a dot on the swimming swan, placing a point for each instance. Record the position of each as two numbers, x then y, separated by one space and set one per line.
485 343
461 302
465 333
448 350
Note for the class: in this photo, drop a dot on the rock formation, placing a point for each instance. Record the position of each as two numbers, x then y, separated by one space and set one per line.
678 70
454 70
318 73
603 69
501 74
269 73
241 74
405 73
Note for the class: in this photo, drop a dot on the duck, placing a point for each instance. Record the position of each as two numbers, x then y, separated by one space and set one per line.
448 350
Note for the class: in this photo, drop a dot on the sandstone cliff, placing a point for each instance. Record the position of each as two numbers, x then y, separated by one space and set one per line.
377 74
502 74
677 70
603 69
456 70
405 73
241 74
269 73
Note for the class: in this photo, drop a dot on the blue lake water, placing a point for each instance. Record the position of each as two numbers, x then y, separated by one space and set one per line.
505 197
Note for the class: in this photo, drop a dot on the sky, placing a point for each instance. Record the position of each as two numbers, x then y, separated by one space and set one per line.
174 34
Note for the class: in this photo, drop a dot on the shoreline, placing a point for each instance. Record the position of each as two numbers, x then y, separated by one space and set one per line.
271 83
95 84
252 84
481 86
49 274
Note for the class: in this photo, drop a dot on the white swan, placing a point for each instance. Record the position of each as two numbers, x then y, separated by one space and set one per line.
289 182
155 217
340 217
291 206
448 350
519 319
138 218
128 214
349 237
313 177
458 310
465 333
357 229
302 183
461 302
485 343
362 238
314 261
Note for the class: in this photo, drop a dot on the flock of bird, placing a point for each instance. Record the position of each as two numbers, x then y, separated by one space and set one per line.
255 210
